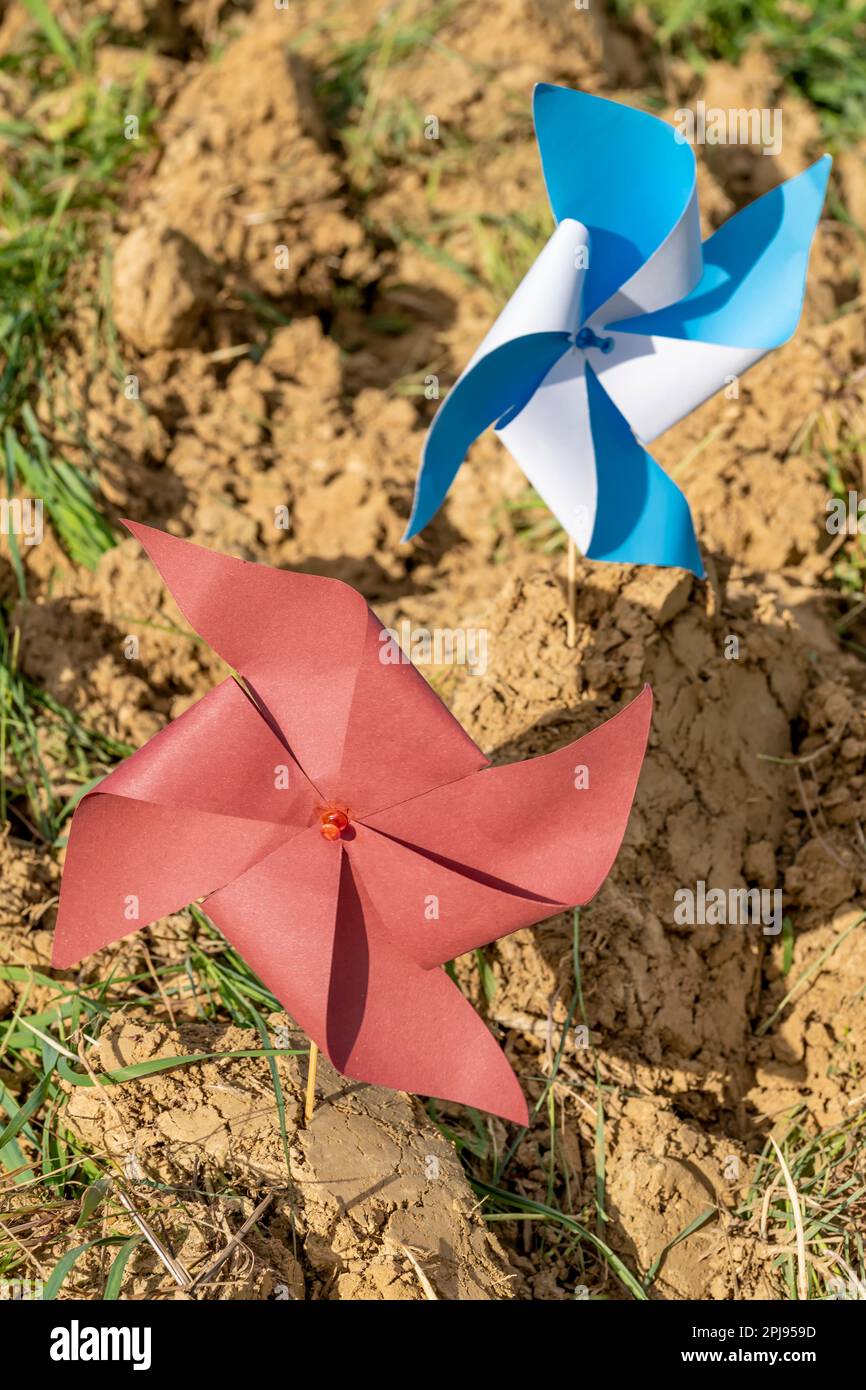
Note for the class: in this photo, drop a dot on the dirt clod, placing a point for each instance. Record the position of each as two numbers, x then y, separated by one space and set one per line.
161 286
373 1191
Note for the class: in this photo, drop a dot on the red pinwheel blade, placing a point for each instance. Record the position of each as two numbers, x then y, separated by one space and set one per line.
402 740
281 916
435 909
506 846
192 809
220 756
310 931
413 1029
147 861
365 729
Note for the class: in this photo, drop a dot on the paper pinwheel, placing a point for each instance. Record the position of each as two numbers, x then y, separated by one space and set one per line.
623 325
347 834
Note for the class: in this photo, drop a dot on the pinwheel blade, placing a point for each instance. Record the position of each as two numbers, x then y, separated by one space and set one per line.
499 383
748 301
642 517
130 863
437 908
200 803
281 917
551 440
506 847
611 497
220 756
631 181
310 931
265 622
365 728
412 1029
401 738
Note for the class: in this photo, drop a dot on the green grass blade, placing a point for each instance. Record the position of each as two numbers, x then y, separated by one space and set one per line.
118 1265
158 1064
66 1262
525 1205
25 1112
54 34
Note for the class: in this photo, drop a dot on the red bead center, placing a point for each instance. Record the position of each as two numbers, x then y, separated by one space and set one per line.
332 823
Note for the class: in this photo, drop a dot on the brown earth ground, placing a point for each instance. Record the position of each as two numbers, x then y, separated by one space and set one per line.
400 250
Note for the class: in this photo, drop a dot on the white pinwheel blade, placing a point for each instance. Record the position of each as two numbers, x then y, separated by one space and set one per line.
551 439
609 495
656 381
530 334
549 298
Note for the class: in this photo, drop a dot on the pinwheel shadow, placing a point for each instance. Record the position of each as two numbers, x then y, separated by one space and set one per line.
360 1196
350 965
615 258
372 579
622 1219
420 314
133 478
705 976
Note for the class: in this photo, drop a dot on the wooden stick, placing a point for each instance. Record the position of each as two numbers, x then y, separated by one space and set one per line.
570 622
310 1103
179 1273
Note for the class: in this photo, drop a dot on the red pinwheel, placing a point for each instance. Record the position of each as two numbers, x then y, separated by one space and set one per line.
347 834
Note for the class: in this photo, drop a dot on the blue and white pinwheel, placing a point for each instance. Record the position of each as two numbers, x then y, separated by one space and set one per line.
623 325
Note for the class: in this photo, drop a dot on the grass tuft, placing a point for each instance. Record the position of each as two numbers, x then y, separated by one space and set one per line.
63 164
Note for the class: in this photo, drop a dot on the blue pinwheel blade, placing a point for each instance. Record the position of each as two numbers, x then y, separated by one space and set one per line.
641 516
499 384
664 364
754 281
623 173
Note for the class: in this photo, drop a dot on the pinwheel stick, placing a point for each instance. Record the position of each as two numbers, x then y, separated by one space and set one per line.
571 598
310 1102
